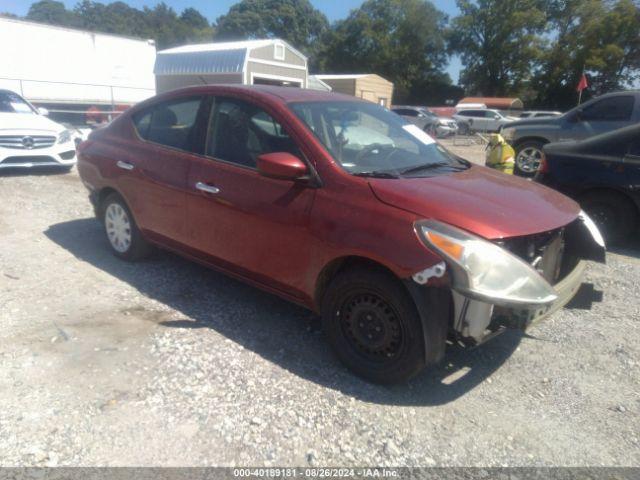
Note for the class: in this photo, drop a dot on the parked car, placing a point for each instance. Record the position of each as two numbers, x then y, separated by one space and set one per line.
539 114
29 139
428 121
481 120
602 114
379 232
603 174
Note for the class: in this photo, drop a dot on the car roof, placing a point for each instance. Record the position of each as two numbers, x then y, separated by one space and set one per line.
409 107
284 94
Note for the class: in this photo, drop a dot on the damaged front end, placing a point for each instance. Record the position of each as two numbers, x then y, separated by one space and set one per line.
512 282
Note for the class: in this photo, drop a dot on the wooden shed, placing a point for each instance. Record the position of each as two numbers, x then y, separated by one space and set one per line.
368 86
250 62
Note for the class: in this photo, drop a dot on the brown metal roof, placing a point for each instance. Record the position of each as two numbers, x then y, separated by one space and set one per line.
495 102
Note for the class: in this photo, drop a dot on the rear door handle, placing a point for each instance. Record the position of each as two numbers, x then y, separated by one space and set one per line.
125 165
203 187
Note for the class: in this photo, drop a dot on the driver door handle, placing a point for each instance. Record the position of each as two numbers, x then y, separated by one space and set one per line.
203 187
125 165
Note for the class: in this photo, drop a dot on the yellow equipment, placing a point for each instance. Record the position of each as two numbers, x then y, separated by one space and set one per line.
500 155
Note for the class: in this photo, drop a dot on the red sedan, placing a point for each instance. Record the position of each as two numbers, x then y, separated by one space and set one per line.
342 206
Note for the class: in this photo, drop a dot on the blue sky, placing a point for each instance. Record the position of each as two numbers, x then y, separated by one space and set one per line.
212 9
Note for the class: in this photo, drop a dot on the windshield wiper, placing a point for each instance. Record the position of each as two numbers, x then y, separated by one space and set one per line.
428 166
375 174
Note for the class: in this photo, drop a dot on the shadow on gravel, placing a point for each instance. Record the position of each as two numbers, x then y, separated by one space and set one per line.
280 332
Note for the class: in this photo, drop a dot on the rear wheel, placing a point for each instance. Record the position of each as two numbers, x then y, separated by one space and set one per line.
373 326
615 215
123 234
528 158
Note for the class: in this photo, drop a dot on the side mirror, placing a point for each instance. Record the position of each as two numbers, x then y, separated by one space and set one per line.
281 165
43 111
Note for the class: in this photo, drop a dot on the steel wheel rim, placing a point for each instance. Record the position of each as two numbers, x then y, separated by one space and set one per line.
118 227
372 327
529 159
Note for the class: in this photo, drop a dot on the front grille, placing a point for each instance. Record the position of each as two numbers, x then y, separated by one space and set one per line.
35 159
543 251
26 142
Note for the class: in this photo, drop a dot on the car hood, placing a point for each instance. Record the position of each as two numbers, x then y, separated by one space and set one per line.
26 122
533 122
480 200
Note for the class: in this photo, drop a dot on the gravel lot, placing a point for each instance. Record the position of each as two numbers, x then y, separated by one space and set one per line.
167 363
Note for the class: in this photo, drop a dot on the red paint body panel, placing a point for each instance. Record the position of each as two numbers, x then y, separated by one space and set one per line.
481 200
281 234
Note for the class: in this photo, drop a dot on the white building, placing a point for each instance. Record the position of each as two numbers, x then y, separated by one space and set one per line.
66 69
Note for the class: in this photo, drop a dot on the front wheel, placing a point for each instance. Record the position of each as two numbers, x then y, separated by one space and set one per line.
373 326
528 158
123 234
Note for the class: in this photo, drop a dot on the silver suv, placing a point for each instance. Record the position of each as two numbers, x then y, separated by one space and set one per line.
602 114
427 120
481 120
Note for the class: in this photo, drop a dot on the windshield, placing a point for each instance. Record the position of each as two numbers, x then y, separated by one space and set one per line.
13 103
368 140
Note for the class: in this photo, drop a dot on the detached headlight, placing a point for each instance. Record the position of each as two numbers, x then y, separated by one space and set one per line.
65 136
485 271
508 133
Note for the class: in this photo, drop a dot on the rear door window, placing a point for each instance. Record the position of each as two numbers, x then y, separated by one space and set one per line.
614 109
172 124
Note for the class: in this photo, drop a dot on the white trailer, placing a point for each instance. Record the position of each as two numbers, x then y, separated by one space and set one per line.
74 70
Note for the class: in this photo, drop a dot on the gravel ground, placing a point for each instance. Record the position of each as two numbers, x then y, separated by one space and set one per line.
167 363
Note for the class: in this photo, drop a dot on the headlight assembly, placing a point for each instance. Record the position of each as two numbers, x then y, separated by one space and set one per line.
484 271
65 136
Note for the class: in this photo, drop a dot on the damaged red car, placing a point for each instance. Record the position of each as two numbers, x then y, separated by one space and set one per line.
341 206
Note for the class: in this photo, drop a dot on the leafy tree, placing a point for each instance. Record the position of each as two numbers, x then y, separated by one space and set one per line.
295 21
117 17
599 37
498 41
51 12
401 40
194 19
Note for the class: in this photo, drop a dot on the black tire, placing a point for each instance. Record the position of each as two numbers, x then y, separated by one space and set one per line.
387 344
527 149
615 215
137 247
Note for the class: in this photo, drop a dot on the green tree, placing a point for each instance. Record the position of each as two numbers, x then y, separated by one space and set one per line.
401 40
194 19
499 42
597 36
295 21
51 12
117 17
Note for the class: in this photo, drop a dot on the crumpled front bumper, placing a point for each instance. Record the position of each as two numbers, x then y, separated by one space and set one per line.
476 320
566 289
